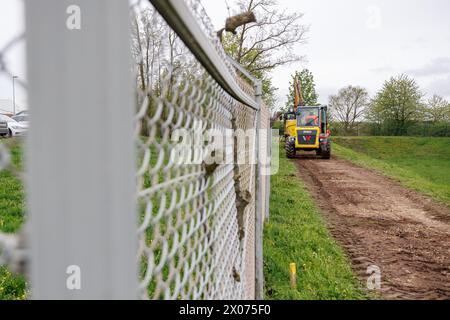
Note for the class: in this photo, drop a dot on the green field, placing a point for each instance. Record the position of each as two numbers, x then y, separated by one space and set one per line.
296 233
421 164
11 218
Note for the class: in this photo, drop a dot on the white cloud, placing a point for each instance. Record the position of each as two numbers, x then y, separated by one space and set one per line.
441 87
383 70
438 66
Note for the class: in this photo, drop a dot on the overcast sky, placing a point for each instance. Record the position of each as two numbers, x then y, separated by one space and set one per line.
364 42
357 42
12 25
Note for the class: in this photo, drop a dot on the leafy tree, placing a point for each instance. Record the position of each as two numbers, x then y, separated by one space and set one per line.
308 89
397 104
349 106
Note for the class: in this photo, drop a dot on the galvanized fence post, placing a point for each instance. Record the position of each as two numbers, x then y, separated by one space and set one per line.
259 214
259 274
268 173
81 155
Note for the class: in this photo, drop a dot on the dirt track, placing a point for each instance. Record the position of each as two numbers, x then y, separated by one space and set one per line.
378 222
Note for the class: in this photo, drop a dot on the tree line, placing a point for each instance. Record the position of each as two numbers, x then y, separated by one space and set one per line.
398 108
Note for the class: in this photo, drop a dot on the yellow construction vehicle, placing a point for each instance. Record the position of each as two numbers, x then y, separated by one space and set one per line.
289 123
307 127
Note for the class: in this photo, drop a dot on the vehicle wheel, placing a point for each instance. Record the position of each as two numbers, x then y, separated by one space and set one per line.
290 148
318 152
326 151
9 135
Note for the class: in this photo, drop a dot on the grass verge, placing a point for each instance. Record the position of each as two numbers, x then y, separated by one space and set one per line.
12 211
296 233
421 164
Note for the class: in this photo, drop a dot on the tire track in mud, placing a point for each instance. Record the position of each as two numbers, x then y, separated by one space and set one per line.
378 222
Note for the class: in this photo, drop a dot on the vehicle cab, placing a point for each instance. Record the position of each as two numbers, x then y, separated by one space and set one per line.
311 127
311 132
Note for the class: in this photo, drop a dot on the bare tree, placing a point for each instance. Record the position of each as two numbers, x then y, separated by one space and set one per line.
268 43
160 58
156 48
147 46
263 45
349 106
437 109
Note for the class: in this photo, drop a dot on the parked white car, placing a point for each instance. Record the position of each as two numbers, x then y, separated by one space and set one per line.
14 128
22 119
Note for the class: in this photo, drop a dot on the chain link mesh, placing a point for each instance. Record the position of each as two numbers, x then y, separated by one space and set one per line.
197 222
11 246
196 219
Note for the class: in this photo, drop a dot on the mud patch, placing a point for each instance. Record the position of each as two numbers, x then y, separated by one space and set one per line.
378 222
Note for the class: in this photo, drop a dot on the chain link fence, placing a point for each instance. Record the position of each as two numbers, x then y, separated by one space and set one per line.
197 233
12 41
200 130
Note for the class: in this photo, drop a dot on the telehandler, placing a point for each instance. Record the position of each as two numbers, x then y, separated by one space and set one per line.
306 127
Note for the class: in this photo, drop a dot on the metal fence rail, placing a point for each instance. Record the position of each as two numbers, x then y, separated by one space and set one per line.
199 138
